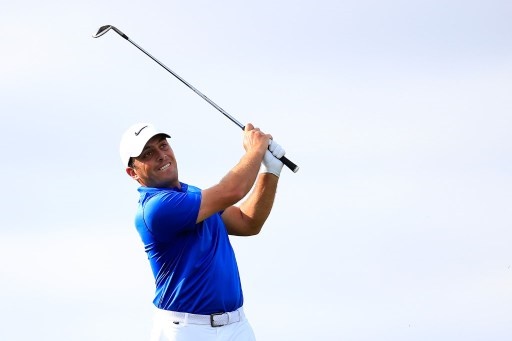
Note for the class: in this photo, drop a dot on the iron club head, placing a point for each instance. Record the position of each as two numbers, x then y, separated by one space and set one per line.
104 29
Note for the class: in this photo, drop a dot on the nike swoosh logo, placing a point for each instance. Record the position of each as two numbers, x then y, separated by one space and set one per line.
138 132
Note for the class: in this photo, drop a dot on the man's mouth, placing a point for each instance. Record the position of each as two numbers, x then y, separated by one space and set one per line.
165 166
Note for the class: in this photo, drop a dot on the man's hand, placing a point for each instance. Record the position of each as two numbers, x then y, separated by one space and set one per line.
255 139
271 162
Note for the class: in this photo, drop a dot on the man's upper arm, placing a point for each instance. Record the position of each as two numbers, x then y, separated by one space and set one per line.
216 199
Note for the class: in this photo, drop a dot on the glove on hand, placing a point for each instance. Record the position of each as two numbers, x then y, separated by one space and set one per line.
271 162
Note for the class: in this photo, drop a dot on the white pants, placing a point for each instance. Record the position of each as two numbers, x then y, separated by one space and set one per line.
165 330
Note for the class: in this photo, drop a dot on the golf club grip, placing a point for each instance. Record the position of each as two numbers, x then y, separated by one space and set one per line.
293 167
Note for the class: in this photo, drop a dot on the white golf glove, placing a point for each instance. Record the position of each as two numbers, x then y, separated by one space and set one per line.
271 162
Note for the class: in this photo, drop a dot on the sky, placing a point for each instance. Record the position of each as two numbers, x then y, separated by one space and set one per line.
396 227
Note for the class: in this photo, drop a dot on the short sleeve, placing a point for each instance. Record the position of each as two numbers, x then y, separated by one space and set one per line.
170 212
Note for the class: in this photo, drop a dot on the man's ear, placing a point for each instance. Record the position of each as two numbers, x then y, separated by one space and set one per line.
132 173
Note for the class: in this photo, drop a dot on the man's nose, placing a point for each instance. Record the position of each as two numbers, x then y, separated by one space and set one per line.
161 155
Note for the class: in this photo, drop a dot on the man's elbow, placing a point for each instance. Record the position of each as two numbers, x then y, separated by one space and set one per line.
246 231
254 229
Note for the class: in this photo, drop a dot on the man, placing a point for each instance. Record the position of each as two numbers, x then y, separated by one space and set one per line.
185 232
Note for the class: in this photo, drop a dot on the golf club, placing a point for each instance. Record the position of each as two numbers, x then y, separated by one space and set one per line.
104 29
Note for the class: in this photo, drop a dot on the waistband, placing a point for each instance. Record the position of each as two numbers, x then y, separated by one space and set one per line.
214 320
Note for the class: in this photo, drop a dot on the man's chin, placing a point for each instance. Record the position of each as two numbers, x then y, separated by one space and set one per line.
168 183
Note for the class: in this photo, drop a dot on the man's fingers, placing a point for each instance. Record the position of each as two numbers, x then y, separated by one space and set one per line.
249 127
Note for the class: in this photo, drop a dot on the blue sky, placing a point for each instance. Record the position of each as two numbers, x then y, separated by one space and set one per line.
396 227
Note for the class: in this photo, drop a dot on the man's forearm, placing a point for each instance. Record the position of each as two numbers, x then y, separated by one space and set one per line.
258 205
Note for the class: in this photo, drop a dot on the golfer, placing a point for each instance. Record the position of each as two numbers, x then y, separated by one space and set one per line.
185 230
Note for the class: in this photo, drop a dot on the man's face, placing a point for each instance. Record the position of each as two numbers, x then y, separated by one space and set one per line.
156 165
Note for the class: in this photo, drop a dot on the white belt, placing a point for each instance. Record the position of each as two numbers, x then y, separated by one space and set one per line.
214 320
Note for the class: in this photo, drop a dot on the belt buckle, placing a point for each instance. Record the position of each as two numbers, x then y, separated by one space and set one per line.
212 320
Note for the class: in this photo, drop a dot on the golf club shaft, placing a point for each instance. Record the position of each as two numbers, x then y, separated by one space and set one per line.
283 159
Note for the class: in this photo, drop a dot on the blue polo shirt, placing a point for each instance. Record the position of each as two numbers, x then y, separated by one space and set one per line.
193 264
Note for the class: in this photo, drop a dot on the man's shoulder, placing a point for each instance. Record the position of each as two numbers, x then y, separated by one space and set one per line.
157 196
143 190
